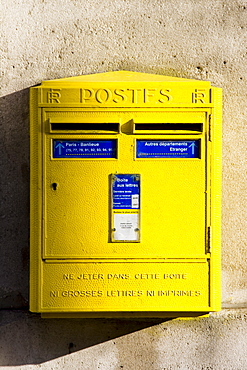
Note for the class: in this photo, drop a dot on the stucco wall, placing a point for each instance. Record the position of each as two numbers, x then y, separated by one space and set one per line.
200 39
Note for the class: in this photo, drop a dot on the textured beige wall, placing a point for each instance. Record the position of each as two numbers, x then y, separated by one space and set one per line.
200 39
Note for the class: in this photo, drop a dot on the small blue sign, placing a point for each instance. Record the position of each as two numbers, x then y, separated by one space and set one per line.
84 148
126 192
168 149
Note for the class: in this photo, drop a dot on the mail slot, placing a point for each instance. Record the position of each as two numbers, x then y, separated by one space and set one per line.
125 196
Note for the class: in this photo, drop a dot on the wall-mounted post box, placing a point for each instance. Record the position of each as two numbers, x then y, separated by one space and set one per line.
125 196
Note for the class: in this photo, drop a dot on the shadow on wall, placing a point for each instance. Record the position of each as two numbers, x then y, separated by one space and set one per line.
14 169
37 340
25 337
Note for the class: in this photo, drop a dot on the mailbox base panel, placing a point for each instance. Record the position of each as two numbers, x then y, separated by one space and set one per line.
108 287
124 315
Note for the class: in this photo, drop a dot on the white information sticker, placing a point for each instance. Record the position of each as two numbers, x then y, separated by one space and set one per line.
126 226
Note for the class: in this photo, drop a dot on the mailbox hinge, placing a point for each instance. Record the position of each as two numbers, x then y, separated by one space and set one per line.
209 239
210 127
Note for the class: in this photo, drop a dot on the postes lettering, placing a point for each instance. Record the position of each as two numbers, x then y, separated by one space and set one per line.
103 96
124 96
118 96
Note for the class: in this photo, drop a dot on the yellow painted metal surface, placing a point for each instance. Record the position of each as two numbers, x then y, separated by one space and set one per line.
92 252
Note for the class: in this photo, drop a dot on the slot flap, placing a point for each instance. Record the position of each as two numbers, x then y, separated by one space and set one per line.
168 128
85 127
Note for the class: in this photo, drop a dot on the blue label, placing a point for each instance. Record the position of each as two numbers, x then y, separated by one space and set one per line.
126 192
84 149
167 149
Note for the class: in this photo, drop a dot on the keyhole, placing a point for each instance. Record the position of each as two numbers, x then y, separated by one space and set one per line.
54 186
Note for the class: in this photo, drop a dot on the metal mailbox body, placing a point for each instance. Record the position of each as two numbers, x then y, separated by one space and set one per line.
125 196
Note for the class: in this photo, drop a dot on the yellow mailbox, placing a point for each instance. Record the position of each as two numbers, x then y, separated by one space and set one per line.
125 196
